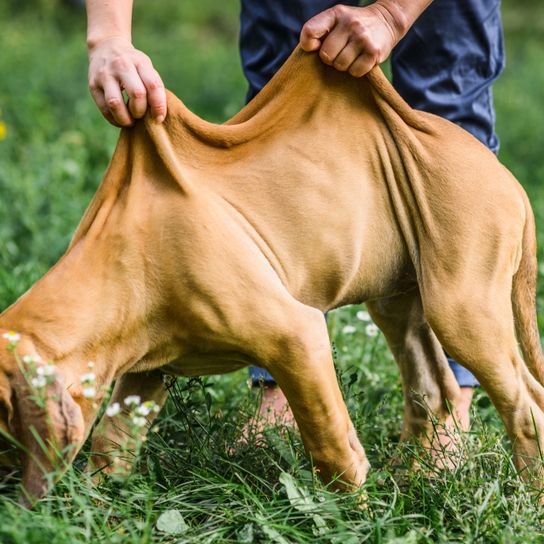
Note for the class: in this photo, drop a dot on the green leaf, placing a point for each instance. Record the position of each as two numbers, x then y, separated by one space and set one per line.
301 500
171 522
409 538
245 534
298 495
273 535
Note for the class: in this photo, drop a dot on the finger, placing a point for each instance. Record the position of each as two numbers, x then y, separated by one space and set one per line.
333 44
100 101
347 56
136 92
115 103
362 64
316 28
156 95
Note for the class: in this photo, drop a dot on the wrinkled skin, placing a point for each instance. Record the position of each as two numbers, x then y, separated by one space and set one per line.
352 39
208 248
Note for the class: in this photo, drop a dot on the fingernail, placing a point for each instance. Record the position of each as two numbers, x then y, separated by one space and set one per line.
160 118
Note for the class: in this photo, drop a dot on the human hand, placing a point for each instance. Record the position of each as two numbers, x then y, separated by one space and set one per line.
114 65
353 39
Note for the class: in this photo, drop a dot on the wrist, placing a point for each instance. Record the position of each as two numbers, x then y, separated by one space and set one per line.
93 40
396 18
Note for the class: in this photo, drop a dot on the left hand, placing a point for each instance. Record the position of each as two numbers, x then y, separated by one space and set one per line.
352 39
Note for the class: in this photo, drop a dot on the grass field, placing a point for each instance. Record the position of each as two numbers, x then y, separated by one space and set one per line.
54 147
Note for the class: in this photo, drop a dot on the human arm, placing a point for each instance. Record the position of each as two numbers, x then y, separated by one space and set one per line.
114 65
355 39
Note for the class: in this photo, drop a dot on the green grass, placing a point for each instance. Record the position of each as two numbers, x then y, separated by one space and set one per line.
55 152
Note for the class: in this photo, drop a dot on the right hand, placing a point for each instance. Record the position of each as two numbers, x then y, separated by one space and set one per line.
114 65
353 39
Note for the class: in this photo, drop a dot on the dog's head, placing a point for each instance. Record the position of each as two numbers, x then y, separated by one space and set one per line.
40 423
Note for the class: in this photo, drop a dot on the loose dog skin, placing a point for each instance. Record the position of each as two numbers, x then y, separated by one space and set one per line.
211 247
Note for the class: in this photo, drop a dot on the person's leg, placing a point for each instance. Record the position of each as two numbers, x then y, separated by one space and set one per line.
269 31
446 65
447 62
273 409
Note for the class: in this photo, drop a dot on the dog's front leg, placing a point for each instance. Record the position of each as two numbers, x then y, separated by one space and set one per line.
301 363
114 438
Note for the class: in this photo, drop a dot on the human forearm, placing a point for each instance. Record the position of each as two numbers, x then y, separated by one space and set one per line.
401 14
108 19
115 65
355 39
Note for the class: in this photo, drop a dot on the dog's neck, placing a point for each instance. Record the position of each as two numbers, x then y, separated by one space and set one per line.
92 306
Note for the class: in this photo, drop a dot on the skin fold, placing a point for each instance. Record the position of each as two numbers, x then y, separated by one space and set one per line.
352 39
208 248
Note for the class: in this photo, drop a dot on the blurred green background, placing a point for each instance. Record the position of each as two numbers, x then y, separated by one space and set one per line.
54 148
56 145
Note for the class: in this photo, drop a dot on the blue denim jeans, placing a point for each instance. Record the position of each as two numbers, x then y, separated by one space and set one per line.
446 64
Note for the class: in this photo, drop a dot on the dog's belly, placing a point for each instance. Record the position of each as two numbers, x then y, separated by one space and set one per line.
205 364
369 287
380 268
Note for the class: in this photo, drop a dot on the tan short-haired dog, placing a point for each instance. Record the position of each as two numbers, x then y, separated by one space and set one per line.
211 247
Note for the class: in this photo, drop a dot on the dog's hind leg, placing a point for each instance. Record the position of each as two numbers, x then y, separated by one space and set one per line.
113 438
477 328
429 386
298 355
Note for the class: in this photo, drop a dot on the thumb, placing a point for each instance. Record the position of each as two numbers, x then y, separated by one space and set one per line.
316 28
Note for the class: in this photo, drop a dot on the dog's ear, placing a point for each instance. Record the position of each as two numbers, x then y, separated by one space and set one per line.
48 424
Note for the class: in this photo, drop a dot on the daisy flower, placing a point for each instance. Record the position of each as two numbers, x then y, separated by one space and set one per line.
132 400
12 337
363 316
89 392
113 410
139 421
38 382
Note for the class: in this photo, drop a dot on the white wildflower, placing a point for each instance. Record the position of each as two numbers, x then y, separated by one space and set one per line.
12 337
146 408
372 330
142 410
90 377
38 382
46 370
363 316
132 399
89 392
139 421
113 410
349 329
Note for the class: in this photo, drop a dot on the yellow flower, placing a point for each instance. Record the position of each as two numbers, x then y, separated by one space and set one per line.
3 130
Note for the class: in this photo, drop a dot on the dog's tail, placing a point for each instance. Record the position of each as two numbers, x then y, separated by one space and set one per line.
524 299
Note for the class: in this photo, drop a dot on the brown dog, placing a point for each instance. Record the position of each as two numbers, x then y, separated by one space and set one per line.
208 248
